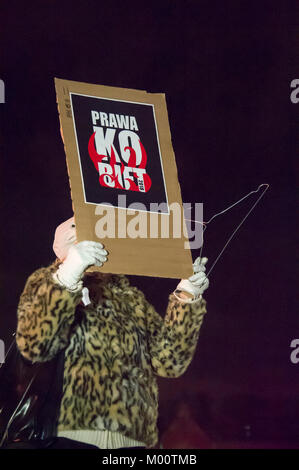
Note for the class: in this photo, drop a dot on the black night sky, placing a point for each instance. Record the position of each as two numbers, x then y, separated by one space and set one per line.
226 69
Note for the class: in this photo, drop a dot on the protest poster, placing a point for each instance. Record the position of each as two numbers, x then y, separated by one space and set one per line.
123 178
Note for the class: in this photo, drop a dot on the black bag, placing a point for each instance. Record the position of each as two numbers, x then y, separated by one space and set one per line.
30 396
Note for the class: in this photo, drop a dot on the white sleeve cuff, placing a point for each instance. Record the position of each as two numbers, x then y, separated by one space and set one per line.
71 288
186 300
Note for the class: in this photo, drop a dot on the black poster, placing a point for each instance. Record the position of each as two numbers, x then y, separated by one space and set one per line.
119 152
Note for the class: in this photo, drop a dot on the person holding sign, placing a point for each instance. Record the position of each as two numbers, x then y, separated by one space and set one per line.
114 343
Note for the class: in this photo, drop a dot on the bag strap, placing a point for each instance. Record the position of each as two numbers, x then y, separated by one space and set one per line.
45 419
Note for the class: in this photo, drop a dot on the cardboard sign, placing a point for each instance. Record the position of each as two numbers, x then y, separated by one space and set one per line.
123 178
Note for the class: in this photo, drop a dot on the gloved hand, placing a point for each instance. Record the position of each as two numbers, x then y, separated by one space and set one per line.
198 282
79 257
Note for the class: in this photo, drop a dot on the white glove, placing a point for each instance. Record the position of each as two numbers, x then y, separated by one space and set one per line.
79 257
198 282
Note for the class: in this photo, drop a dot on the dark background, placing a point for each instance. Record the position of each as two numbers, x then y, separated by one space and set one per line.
226 69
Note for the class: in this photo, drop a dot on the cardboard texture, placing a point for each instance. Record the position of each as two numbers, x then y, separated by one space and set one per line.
118 147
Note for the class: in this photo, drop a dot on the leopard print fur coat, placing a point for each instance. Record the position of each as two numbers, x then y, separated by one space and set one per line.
114 348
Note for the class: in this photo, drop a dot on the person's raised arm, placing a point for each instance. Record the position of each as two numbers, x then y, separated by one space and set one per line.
47 305
172 341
